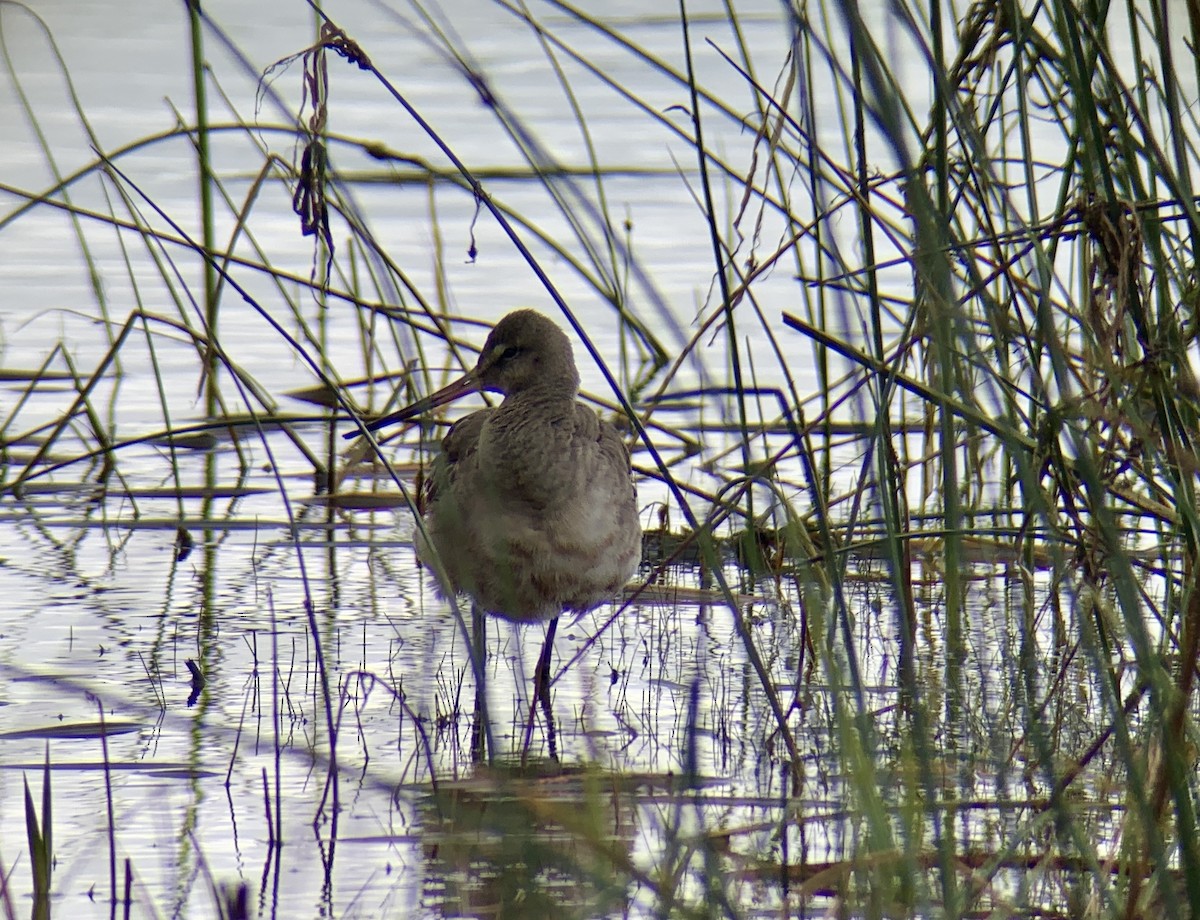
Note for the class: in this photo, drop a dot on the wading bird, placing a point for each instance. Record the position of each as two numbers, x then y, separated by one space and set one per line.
531 509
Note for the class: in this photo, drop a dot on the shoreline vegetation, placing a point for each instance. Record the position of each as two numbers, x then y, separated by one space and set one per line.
917 626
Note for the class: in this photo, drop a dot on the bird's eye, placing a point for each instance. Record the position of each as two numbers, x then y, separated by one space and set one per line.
507 354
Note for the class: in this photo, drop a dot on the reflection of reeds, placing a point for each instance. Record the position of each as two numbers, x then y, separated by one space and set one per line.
985 369
537 841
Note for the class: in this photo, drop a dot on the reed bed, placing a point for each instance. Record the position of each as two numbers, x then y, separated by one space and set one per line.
918 628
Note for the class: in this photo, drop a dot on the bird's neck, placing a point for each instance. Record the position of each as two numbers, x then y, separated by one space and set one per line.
542 393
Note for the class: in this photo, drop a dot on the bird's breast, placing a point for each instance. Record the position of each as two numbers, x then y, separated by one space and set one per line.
540 516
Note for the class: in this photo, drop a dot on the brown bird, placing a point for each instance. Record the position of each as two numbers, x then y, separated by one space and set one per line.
531 509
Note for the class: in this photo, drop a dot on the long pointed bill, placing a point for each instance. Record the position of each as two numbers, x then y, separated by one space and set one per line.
468 383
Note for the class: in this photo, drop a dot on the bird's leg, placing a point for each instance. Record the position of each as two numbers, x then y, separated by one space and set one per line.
541 693
541 674
481 730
